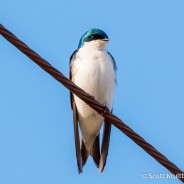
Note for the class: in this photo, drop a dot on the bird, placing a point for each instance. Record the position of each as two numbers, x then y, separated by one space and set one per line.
93 69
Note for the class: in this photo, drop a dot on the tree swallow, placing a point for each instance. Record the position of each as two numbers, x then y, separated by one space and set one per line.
93 69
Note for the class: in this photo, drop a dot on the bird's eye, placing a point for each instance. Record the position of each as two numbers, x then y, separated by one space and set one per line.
95 37
92 37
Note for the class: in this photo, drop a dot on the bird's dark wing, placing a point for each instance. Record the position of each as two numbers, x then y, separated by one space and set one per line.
77 139
105 145
72 58
75 119
114 63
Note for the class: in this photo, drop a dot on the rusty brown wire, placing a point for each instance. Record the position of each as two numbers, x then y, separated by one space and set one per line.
91 102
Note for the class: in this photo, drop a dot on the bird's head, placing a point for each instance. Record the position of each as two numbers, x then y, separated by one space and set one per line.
94 38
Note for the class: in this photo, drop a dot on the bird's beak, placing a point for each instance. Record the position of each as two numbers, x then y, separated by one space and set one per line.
105 39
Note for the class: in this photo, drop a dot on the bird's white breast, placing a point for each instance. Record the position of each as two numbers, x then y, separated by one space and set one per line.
95 74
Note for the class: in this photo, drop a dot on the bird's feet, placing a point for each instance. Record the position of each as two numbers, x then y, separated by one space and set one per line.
106 110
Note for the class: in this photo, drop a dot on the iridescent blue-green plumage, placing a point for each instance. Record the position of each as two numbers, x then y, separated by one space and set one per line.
92 34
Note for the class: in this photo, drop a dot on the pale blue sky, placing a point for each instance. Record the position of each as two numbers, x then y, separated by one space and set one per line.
36 132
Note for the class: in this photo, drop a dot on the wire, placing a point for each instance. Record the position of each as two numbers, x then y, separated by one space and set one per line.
91 102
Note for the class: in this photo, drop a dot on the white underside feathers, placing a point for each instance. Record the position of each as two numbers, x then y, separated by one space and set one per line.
93 71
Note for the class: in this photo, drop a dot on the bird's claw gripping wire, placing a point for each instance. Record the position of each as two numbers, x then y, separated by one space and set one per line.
105 110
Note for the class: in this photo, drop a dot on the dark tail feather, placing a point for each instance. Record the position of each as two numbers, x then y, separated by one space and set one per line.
105 145
77 141
84 153
95 151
